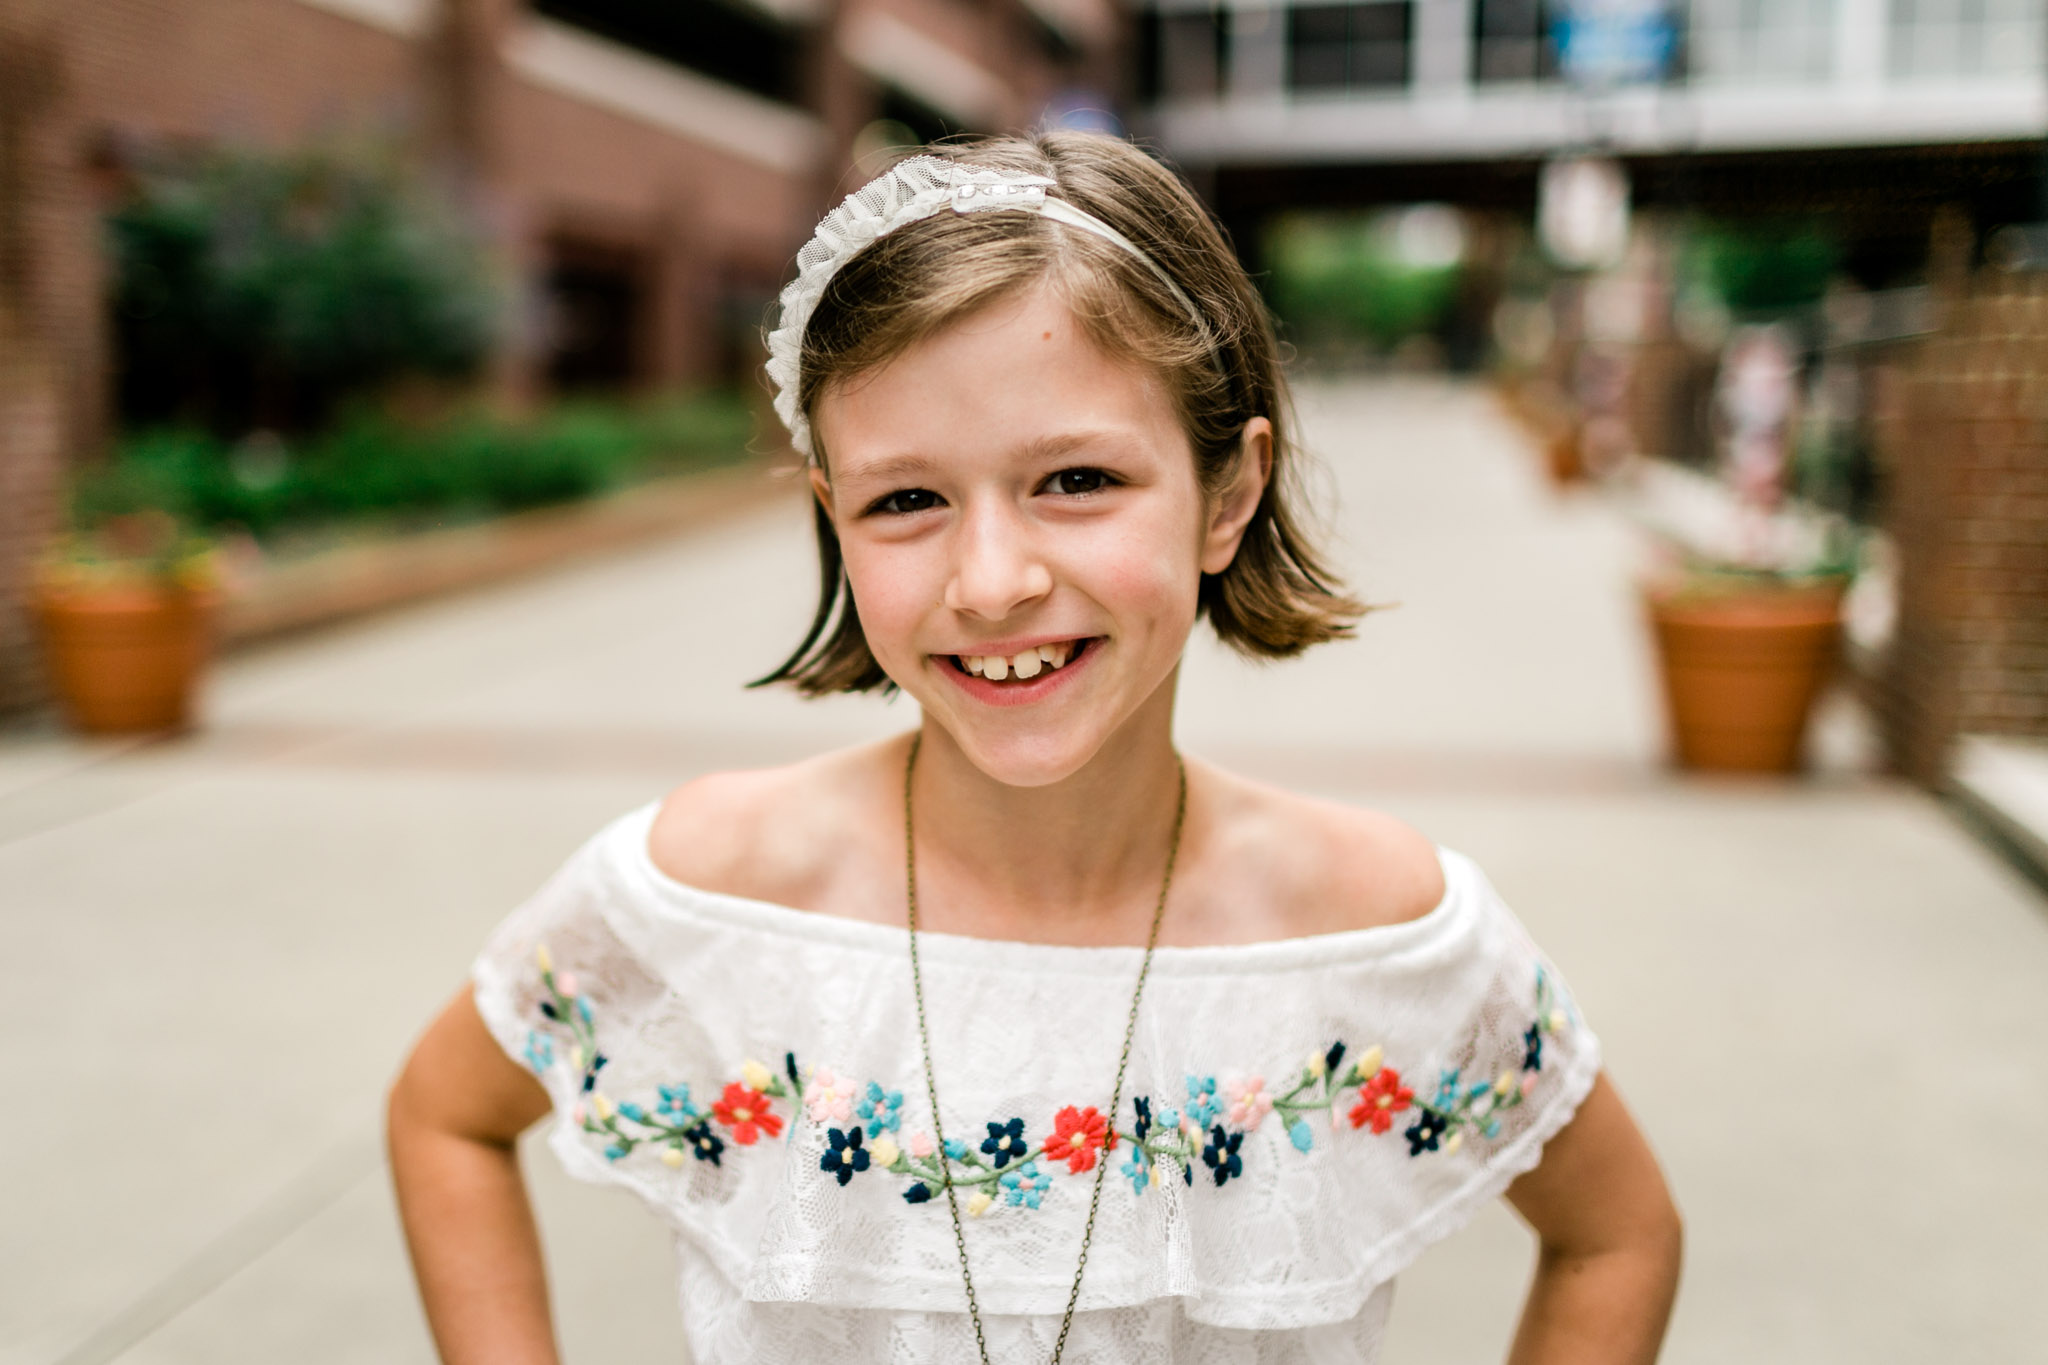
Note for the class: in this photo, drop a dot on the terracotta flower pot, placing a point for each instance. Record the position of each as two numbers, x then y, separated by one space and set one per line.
127 658
1742 670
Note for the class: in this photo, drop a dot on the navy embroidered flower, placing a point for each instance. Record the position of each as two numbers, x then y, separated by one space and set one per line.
917 1194
880 1110
1422 1134
1143 1106
1005 1142
1532 1045
1220 1153
846 1155
1333 1056
705 1145
1026 1186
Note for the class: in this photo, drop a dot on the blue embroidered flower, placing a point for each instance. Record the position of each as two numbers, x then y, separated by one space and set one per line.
1298 1133
630 1110
705 1145
846 1155
1026 1185
1446 1089
1143 1125
614 1152
1202 1105
540 1050
1168 1120
1422 1134
1137 1170
917 1194
1005 1142
956 1150
881 1110
1220 1153
675 1104
1532 1048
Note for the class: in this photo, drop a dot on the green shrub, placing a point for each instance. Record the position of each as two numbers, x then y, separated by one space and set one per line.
1336 282
1763 269
369 467
266 290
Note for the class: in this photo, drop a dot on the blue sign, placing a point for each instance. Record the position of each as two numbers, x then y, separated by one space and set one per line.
1615 42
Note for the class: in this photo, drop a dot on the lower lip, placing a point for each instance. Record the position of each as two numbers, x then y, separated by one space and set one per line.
1015 693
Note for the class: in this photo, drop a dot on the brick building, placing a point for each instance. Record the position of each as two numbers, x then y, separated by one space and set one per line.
648 170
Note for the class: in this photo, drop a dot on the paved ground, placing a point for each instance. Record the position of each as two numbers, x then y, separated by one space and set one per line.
1824 1000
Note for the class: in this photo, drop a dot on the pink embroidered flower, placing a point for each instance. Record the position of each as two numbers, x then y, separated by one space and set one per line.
1379 1099
1076 1134
566 984
829 1097
747 1113
1249 1103
921 1144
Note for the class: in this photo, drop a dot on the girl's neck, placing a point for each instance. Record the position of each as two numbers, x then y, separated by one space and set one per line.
1071 861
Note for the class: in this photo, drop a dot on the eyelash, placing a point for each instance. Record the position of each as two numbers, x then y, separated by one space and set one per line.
880 506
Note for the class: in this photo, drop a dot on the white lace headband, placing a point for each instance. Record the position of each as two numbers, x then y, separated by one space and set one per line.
913 189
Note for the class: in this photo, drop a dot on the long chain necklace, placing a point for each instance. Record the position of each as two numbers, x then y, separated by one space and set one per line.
1180 811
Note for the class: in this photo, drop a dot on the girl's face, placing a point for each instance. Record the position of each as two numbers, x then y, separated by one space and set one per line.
1024 532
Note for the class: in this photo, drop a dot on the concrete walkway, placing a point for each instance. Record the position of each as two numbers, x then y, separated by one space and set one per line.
1823 999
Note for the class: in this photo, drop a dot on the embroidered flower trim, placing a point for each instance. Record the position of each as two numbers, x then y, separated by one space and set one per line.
1010 1168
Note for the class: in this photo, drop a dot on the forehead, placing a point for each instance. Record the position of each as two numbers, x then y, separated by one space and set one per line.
1019 377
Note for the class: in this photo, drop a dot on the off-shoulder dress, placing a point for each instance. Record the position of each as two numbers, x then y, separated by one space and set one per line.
1301 1117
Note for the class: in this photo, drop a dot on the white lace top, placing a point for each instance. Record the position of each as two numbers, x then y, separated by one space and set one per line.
1301 1118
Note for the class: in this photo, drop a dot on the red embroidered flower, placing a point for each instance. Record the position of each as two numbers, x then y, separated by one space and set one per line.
747 1113
1076 1134
1379 1099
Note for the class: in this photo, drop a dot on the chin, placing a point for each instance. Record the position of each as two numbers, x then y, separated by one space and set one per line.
1035 760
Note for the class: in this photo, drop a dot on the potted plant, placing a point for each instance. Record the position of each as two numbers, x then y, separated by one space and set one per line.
126 613
1745 604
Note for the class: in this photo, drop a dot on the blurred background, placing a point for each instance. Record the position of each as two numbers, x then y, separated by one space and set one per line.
389 495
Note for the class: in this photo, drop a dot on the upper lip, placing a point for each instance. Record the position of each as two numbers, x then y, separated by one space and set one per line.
1009 648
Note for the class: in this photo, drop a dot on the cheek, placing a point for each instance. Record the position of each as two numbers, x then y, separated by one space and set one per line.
893 589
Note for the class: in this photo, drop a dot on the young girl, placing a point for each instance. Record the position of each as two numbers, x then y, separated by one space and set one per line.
1017 1038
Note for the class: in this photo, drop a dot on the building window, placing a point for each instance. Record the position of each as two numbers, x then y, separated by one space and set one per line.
1761 41
730 42
1349 47
1513 40
1962 38
593 319
1189 48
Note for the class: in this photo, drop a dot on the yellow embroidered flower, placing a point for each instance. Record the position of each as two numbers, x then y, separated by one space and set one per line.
604 1107
884 1152
1456 1141
1505 1084
672 1158
756 1076
1369 1062
978 1205
540 955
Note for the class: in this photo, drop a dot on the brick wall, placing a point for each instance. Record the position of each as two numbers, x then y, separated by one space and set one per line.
1964 440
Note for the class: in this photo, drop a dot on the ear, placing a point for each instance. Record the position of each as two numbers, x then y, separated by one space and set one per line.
1234 507
821 487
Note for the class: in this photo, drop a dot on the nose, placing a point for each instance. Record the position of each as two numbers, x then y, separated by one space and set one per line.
996 567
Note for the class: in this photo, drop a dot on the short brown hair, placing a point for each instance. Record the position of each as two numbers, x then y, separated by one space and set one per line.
1278 596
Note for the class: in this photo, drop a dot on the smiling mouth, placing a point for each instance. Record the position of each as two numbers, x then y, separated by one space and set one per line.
1024 666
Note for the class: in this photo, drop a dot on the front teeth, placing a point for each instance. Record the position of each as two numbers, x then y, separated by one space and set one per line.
1028 664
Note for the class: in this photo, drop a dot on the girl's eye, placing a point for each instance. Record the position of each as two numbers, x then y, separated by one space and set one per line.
903 502
1075 482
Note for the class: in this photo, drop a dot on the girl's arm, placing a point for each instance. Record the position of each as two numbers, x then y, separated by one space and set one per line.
452 1119
1610 1239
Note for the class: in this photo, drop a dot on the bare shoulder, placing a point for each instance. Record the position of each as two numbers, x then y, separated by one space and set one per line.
789 835
1319 866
